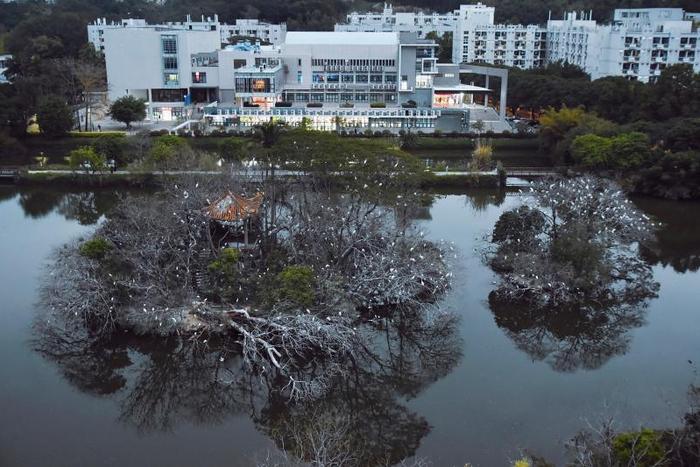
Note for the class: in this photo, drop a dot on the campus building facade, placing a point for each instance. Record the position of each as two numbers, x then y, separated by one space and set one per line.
377 80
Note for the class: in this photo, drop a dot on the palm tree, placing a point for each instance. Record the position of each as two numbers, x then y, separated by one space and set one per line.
268 133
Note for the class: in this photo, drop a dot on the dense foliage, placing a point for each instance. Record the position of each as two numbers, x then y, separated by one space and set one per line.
128 109
55 117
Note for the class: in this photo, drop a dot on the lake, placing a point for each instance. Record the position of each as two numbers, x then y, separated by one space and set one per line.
520 384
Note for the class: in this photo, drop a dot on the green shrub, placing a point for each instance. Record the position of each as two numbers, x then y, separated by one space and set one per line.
165 149
591 150
646 446
297 285
224 272
232 148
625 151
96 248
109 146
85 158
377 105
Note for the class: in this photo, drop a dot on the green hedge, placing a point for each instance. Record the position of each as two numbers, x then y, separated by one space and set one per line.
95 134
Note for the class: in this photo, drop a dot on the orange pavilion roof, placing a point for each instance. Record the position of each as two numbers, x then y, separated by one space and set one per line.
233 208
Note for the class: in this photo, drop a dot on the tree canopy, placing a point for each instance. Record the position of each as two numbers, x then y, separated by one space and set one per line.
55 117
128 109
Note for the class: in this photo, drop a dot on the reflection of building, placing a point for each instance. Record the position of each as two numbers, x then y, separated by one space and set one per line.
332 80
638 44
4 63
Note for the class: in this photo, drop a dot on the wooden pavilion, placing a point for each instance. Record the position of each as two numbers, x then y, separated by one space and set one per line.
235 211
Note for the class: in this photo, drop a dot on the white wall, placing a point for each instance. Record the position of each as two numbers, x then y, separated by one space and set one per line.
134 60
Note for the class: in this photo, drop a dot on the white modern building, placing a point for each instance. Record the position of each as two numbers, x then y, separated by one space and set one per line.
389 21
477 39
253 28
638 44
160 65
358 81
243 28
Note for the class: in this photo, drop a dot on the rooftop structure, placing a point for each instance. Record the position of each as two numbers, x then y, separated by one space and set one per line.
243 28
232 208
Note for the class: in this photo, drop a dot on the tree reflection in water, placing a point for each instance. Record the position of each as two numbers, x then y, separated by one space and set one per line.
86 207
161 383
676 242
569 338
479 199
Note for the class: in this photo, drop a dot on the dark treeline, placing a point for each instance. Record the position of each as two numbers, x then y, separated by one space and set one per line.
299 14
675 93
647 132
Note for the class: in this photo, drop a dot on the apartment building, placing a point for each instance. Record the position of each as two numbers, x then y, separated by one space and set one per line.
265 32
389 21
477 39
247 28
638 44
576 39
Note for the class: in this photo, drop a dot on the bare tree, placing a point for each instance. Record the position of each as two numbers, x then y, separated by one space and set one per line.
150 273
577 244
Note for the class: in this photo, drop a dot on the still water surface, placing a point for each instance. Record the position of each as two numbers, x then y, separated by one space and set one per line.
521 384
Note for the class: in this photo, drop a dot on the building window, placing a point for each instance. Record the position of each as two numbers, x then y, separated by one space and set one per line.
238 63
199 77
171 79
170 63
300 77
169 44
251 85
168 95
299 62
